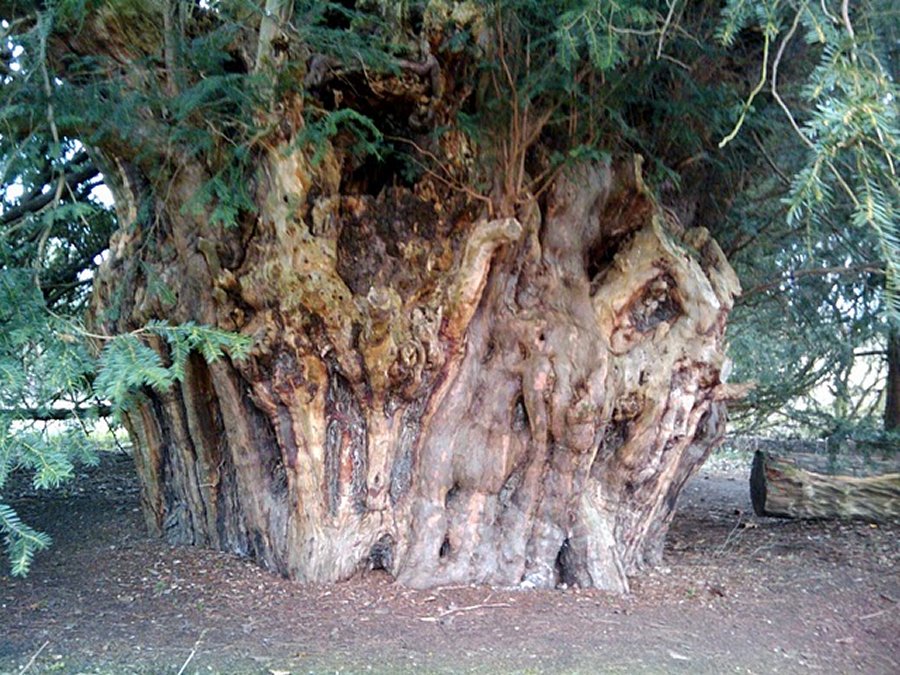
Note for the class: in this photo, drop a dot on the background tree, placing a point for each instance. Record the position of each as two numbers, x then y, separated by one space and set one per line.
815 314
487 339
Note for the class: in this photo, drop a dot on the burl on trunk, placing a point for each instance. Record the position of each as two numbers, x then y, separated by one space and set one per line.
447 396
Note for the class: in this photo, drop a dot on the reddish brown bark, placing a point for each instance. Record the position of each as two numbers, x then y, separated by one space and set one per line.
451 398
892 387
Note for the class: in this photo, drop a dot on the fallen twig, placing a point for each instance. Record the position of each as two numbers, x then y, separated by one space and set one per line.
187 660
727 541
193 652
34 657
874 614
455 610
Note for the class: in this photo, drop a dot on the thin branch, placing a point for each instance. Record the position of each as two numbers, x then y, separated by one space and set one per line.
187 661
632 31
871 352
19 149
724 546
449 181
775 94
45 235
825 11
193 652
545 179
665 27
45 75
456 610
681 64
820 271
758 88
771 162
56 414
41 200
44 30
840 179
516 133
845 15
874 614
34 657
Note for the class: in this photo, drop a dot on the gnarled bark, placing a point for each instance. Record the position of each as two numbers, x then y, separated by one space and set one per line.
451 397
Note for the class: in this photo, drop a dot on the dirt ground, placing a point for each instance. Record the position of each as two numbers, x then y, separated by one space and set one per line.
736 594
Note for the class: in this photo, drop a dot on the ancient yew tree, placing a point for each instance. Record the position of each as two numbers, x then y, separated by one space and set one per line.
468 244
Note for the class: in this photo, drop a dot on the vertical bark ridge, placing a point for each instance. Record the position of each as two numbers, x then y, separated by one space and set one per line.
260 478
201 411
182 504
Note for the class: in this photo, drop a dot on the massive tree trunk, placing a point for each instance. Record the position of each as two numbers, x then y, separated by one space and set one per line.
448 397
453 383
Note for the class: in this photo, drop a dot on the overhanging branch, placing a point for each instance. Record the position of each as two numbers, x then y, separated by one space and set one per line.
56 414
822 271
38 202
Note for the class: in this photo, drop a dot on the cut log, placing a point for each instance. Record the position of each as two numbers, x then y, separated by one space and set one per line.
781 489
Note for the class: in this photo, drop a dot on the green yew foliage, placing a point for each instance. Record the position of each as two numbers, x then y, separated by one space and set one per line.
847 119
127 364
824 230
22 541
49 365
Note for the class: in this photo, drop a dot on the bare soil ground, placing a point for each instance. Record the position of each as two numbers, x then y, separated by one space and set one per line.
736 594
